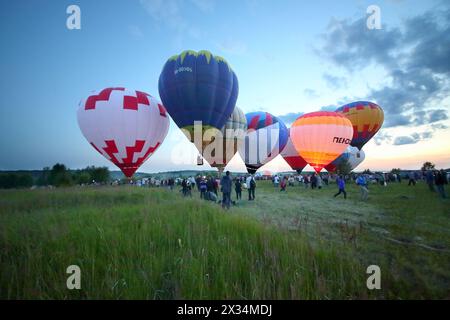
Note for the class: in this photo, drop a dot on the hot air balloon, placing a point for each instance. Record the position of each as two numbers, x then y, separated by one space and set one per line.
352 155
266 137
291 156
198 86
123 125
224 145
366 118
320 137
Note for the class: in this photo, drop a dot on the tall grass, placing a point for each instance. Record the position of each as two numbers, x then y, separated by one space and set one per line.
137 243
152 244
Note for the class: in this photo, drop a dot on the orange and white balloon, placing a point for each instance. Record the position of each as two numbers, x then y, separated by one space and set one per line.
320 137
125 126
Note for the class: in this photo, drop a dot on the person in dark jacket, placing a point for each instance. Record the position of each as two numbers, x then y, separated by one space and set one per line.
429 178
313 181
238 188
251 185
226 185
203 189
412 179
440 181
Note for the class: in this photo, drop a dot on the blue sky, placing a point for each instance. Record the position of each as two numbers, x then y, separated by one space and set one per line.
286 54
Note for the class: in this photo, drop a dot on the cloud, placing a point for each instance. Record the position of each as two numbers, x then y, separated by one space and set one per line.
437 115
330 107
413 138
166 12
382 137
404 140
289 118
438 126
232 46
415 57
334 82
354 46
171 13
206 6
310 93
136 31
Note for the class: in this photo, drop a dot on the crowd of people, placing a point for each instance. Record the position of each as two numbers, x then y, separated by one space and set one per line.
210 187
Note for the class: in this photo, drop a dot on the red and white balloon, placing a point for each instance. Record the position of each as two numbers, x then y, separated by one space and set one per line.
125 126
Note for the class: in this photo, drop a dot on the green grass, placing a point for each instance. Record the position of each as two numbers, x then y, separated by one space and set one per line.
137 243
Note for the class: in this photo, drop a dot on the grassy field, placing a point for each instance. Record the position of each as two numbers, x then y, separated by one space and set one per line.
153 244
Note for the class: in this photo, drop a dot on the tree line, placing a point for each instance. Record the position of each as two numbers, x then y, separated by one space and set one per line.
59 176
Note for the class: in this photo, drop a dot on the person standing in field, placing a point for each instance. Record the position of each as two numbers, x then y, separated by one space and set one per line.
238 188
216 183
283 184
198 180
276 181
251 185
319 181
362 183
341 185
429 178
325 179
226 184
203 189
210 184
313 181
412 179
440 181
291 181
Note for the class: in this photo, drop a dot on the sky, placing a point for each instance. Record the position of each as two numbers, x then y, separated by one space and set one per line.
291 57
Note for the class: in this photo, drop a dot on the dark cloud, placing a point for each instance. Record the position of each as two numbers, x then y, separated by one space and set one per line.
413 138
289 118
354 46
437 115
416 57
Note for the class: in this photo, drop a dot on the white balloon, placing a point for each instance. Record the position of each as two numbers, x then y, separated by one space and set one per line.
125 126
355 156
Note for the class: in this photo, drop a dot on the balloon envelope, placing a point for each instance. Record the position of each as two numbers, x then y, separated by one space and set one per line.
352 155
224 146
291 156
123 125
266 137
198 86
320 137
366 118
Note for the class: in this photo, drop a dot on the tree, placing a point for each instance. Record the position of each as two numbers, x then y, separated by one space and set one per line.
344 167
43 179
60 176
98 174
15 180
367 171
81 177
428 166
396 170
24 180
